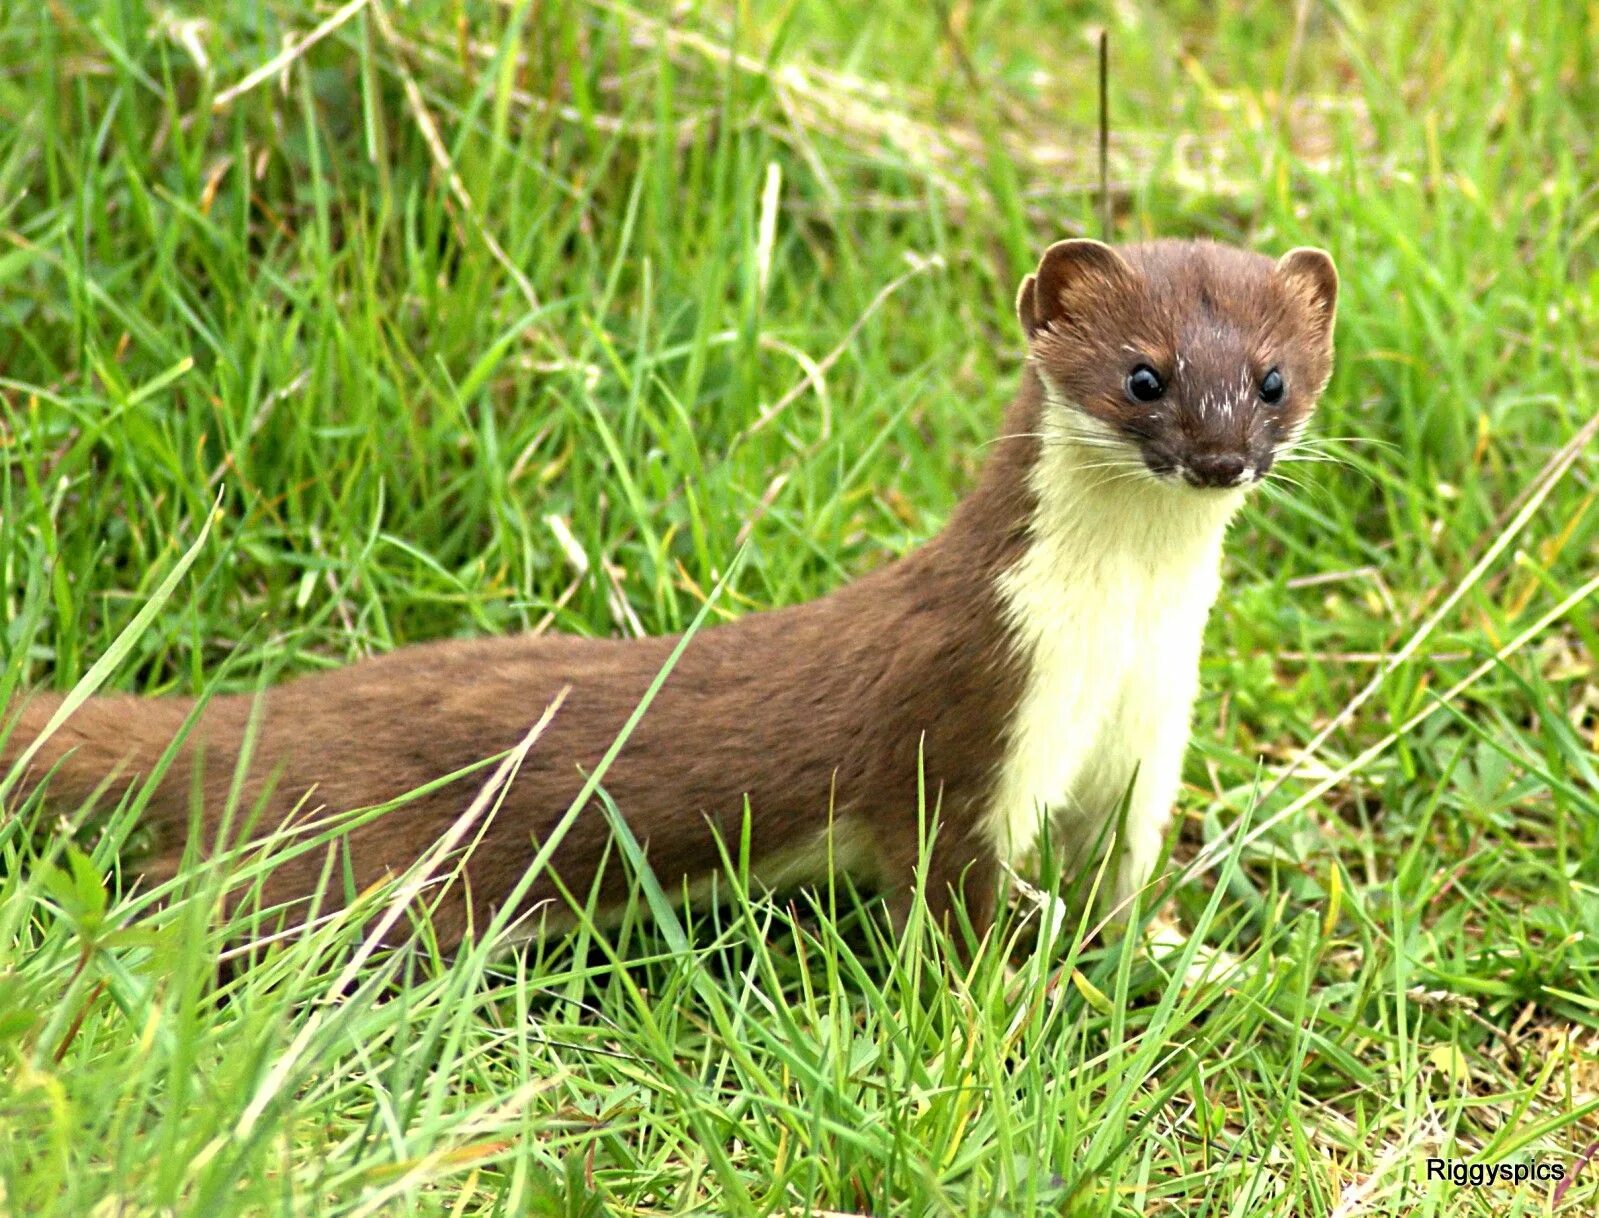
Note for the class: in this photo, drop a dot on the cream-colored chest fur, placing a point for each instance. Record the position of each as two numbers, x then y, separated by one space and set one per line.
1108 608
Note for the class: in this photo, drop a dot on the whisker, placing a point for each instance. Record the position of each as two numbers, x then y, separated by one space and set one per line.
1131 472
1092 438
1301 490
1319 438
1108 446
1132 465
1016 435
1305 452
1307 446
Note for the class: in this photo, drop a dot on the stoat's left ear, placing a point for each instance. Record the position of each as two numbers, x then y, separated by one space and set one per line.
1311 272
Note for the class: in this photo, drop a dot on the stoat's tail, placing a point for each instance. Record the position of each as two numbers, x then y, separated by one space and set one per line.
297 757
106 748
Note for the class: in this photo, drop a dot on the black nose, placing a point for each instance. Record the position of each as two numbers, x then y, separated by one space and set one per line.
1214 469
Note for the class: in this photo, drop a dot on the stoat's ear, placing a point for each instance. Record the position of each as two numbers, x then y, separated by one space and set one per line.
1310 273
1066 269
1025 298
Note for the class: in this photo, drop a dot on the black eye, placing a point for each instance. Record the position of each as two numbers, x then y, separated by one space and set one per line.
1271 387
1144 383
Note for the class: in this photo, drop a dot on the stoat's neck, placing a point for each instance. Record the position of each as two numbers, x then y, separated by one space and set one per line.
1104 611
1071 504
1092 511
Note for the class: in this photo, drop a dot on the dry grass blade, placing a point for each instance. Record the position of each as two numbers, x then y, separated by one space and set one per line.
813 375
1216 850
281 61
429 130
410 887
1543 483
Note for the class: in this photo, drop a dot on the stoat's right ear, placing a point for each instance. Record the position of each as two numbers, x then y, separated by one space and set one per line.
1025 297
1067 268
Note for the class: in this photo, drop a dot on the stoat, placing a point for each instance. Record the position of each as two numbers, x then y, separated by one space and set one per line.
1034 663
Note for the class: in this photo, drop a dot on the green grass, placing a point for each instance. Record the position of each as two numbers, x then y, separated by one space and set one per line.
660 228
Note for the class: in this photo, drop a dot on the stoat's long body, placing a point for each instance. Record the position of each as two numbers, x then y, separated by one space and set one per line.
1034 663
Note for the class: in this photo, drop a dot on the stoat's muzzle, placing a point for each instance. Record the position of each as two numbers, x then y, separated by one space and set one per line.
1209 439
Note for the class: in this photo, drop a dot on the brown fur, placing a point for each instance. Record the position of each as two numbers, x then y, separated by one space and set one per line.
1095 312
813 712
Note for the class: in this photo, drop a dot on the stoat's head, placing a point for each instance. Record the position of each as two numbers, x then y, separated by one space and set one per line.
1187 362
